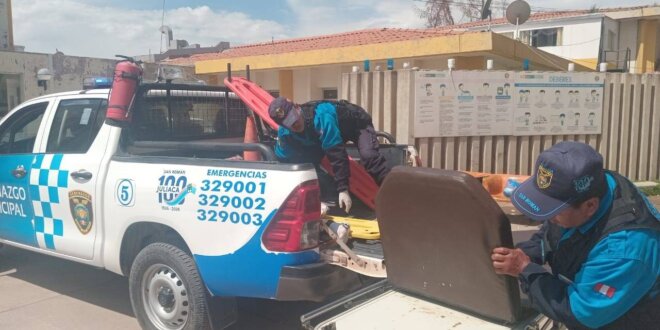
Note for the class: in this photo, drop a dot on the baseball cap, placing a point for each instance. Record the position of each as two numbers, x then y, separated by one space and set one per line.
563 174
283 111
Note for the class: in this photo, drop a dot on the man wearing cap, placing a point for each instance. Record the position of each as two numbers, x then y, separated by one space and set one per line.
600 236
309 131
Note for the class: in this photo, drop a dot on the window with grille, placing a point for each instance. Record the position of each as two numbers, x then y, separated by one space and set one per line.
184 114
330 94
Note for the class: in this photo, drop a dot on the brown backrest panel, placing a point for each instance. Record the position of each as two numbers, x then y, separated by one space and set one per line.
438 229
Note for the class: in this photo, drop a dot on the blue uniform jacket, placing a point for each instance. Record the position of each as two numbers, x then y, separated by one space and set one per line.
323 138
620 270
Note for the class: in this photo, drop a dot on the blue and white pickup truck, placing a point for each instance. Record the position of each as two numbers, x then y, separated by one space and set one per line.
164 201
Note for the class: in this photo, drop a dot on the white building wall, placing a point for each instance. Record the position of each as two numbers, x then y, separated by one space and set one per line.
269 80
301 85
580 36
68 71
628 39
325 77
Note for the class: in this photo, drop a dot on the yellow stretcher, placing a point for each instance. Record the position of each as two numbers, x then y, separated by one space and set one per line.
360 228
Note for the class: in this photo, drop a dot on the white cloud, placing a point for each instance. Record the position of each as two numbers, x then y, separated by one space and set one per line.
76 28
316 17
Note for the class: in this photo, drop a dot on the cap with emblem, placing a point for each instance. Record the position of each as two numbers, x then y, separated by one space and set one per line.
283 111
563 174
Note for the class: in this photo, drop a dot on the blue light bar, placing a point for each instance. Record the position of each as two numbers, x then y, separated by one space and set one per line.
97 82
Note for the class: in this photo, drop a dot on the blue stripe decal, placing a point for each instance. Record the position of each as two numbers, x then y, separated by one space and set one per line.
43 177
57 161
189 189
63 179
53 195
251 271
16 223
39 224
50 243
45 189
58 227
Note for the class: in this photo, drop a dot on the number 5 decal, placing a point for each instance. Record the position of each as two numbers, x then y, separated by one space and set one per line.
124 194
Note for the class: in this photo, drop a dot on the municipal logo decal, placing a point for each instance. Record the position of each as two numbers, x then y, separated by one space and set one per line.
543 177
172 189
81 210
190 189
583 184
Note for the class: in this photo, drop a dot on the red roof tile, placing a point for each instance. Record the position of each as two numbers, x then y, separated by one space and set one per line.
371 36
353 38
541 16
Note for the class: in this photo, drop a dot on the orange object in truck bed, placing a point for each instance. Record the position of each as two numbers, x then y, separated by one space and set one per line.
361 184
495 183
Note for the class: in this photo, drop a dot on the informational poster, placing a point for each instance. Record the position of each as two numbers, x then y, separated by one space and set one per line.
429 107
475 103
551 103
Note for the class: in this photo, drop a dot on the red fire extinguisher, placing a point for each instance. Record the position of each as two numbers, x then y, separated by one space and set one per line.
127 76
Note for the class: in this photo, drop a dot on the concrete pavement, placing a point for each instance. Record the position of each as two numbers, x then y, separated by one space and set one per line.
43 292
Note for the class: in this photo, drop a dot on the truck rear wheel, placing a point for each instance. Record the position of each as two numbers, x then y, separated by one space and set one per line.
166 290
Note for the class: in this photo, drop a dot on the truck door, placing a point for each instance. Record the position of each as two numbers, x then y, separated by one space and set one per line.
18 134
73 154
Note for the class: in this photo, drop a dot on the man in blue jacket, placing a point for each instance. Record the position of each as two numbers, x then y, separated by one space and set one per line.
600 236
309 131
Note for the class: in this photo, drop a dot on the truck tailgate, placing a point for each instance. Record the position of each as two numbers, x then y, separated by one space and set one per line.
405 312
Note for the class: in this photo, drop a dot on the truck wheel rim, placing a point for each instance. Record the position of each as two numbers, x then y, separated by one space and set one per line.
165 298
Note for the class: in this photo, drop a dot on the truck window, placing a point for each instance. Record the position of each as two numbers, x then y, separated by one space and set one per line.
20 131
187 116
75 125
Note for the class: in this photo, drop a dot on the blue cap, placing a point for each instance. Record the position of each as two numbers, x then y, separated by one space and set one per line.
563 174
283 111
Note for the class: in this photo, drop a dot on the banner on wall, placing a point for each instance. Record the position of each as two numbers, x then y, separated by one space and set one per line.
475 103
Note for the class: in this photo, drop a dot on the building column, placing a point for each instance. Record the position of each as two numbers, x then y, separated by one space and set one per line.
286 83
646 38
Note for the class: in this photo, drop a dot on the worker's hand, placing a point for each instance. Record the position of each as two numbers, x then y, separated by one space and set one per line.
345 201
509 261
324 209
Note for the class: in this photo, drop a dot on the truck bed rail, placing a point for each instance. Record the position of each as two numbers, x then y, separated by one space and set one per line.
266 152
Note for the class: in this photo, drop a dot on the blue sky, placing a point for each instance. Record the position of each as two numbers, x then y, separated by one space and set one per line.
102 28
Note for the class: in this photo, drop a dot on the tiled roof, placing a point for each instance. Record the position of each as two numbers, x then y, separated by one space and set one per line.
353 38
371 36
541 16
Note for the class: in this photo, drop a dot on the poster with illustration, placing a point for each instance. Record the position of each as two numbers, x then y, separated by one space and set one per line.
555 103
463 103
428 99
477 103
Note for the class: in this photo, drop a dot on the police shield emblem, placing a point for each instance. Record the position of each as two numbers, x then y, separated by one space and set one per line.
543 177
81 210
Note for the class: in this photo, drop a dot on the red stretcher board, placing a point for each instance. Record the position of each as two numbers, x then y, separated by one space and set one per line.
361 184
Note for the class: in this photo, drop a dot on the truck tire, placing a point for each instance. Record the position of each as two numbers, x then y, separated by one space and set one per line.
166 290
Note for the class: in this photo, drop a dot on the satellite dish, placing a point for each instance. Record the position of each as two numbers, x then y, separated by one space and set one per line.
518 12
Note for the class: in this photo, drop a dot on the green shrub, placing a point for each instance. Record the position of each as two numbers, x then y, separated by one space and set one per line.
651 191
